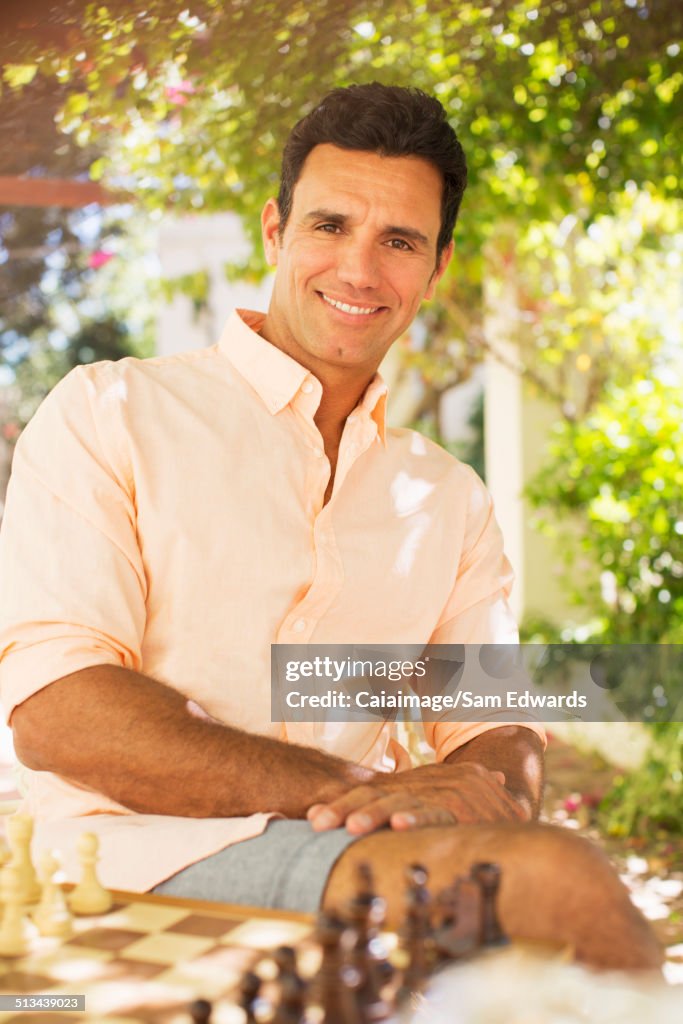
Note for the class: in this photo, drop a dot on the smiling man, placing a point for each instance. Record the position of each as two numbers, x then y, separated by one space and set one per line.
169 519
356 254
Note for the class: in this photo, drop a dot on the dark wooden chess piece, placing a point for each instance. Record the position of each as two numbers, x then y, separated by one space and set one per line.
200 1011
491 933
291 1008
285 958
249 991
416 932
459 921
372 911
333 987
366 954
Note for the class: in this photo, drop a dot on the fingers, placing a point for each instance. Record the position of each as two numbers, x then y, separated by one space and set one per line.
333 815
366 809
473 795
400 811
381 812
422 817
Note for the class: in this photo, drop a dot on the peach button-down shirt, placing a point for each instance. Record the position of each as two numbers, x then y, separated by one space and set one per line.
166 515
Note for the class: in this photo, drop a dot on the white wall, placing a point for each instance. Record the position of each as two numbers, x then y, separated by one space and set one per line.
192 243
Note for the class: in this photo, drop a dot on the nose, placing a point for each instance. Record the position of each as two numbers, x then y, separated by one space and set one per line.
358 264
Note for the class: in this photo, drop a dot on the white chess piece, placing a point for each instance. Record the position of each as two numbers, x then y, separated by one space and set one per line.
52 915
20 834
89 896
14 930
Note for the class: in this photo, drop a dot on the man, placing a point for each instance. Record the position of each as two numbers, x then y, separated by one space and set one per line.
169 519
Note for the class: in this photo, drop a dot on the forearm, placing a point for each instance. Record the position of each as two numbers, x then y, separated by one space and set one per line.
513 750
135 740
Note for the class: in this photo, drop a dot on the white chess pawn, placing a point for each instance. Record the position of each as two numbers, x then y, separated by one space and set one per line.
89 896
15 929
52 915
20 834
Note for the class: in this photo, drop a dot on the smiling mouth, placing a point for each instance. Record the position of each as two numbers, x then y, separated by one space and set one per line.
345 307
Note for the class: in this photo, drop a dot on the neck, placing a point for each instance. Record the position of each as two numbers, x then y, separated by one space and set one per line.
335 406
342 386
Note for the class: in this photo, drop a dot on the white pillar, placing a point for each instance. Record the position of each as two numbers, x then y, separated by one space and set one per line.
503 413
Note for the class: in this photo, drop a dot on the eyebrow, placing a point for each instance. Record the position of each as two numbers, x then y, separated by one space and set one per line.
392 229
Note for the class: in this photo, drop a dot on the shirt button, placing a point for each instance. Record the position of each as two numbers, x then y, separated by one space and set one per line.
299 626
318 452
307 387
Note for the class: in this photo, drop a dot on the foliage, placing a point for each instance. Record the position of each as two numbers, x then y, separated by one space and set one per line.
187 103
195 286
472 452
596 305
620 470
35 242
650 799
202 92
83 294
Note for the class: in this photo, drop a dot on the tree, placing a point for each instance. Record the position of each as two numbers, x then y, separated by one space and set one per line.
558 105
204 92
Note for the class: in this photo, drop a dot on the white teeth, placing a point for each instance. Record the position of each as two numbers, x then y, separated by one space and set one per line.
345 308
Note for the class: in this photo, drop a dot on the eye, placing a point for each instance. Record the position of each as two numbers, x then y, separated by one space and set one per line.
402 245
328 229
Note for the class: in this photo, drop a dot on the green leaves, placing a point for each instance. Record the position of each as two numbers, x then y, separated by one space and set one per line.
535 78
651 798
17 75
621 468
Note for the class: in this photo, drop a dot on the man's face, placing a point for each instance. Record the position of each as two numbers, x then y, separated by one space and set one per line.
357 256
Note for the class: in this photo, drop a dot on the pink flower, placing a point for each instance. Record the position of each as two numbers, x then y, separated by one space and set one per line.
178 93
572 803
11 431
99 258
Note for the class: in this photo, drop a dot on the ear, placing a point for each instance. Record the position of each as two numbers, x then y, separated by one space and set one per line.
440 270
270 231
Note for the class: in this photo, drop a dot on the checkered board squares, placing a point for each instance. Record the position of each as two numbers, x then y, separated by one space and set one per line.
148 958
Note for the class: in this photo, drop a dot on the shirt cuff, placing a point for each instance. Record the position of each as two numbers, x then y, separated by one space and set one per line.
25 671
445 737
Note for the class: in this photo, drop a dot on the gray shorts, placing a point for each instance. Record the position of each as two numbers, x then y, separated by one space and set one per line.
286 868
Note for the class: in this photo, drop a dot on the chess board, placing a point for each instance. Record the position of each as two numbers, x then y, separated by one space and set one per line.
148 958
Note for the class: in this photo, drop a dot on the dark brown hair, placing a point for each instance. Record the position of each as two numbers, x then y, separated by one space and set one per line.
385 119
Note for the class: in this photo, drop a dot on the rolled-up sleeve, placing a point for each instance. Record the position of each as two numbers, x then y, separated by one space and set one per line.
72 583
477 610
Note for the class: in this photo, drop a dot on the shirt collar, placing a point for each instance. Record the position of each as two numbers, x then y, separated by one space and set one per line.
273 375
276 377
374 404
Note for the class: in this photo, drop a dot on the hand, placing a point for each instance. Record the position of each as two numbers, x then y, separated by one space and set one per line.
464 793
